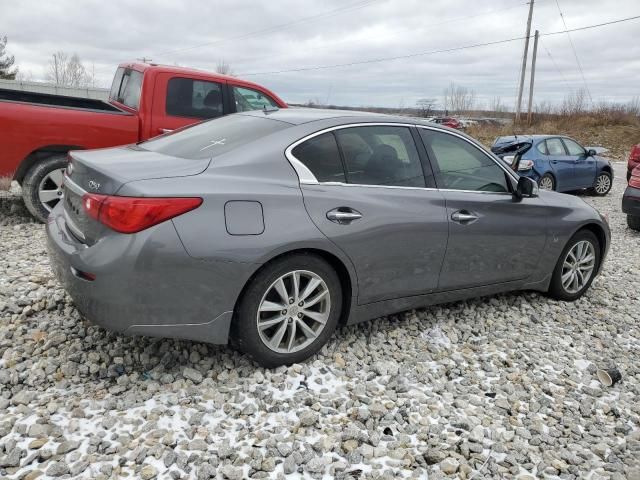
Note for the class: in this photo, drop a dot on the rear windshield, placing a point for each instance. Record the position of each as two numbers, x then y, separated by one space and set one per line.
214 137
126 87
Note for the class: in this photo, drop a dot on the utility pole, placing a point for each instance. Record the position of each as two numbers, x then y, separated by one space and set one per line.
533 75
524 61
144 59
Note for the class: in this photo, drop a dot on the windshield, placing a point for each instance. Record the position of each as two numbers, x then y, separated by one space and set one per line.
214 137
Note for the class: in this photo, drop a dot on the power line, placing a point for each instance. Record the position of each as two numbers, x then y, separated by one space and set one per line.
575 54
329 13
399 32
564 79
432 52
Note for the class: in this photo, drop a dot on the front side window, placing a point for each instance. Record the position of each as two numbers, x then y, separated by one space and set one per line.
555 147
191 98
459 165
573 147
213 138
247 99
381 155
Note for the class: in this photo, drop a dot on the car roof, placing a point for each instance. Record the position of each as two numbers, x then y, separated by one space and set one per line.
298 116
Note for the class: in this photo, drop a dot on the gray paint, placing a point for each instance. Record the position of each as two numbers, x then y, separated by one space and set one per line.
243 217
182 278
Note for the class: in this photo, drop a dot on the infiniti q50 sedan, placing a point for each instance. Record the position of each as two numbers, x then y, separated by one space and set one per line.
268 229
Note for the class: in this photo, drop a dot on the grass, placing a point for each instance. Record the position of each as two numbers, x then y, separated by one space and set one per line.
618 133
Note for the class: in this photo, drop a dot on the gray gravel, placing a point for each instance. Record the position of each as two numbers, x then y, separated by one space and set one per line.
502 387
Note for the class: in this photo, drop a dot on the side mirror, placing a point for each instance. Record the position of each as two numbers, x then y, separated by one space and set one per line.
591 153
526 188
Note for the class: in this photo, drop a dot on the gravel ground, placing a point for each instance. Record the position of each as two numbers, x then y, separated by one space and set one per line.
501 387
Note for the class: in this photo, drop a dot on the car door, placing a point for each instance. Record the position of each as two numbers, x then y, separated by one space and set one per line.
365 188
584 166
492 238
561 164
186 101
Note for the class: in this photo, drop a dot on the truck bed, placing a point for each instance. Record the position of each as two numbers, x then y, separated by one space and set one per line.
46 99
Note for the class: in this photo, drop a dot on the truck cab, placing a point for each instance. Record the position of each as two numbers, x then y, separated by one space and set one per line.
145 100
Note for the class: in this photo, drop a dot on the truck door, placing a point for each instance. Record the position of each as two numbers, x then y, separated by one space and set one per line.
180 101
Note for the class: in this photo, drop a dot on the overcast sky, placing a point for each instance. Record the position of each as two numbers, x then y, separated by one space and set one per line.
258 37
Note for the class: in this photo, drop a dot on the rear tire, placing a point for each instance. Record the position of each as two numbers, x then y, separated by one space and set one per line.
633 222
547 182
574 263
42 186
293 330
602 185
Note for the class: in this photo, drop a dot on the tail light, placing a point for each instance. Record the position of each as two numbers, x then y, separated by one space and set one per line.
525 165
634 181
134 214
634 156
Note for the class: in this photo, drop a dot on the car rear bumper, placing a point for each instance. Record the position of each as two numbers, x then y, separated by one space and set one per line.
146 284
631 201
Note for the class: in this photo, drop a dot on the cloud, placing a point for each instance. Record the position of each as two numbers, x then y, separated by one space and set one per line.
271 36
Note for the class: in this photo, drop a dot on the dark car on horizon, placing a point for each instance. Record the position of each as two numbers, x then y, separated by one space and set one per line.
560 163
271 228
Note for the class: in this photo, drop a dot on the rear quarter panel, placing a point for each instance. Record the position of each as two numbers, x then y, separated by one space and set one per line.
27 128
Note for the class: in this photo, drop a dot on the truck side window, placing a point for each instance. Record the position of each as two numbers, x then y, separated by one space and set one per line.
249 99
194 98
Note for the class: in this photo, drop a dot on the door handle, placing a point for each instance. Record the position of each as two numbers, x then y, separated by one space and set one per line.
463 216
343 215
165 130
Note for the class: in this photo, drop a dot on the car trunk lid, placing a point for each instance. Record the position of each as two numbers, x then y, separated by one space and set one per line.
105 171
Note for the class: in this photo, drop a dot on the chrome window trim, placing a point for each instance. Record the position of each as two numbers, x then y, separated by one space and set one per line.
306 177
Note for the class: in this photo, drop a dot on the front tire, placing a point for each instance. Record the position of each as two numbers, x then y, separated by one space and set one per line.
576 267
547 182
602 185
289 311
42 186
633 222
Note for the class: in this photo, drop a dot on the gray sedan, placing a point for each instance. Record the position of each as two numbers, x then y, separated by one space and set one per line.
270 228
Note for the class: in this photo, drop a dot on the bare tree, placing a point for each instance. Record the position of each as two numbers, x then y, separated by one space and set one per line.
24 76
574 103
458 99
223 68
426 105
633 107
496 105
68 71
6 62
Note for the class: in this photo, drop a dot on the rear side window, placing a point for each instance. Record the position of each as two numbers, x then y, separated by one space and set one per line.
321 155
542 148
249 99
555 147
213 138
381 155
191 98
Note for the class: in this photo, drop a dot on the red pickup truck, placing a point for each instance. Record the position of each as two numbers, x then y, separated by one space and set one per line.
145 100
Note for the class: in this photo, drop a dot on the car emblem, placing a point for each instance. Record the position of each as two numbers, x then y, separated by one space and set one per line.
93 185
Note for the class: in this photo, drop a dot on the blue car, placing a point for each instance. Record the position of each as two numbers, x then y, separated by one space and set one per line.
559 163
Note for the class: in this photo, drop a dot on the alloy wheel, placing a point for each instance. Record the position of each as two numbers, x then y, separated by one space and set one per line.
546 183
294 311
578 266
603 184
50 189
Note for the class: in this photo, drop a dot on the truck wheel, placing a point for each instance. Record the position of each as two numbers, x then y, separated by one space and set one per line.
42 186
633 222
